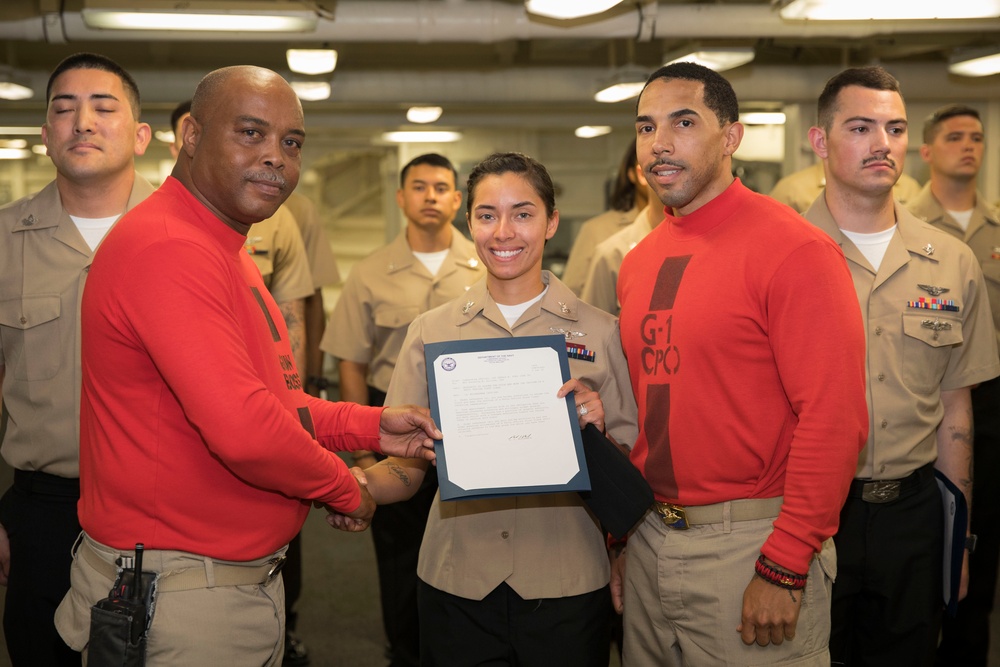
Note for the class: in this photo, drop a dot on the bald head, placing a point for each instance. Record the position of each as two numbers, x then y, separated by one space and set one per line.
241 146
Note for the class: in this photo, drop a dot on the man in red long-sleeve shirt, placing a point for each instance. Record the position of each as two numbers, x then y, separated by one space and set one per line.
746 355
196 438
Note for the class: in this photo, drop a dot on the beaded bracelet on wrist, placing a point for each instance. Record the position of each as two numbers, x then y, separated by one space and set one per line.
778 577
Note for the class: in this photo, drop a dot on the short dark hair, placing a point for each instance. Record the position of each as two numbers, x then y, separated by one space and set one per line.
718 93
934 121
872 77
623 194
514 163
98 62
432 159
178 113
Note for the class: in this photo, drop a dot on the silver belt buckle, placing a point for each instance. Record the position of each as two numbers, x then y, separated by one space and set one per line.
673 515
276 564
881 491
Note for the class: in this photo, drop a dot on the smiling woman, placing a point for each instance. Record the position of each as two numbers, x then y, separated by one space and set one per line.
528 576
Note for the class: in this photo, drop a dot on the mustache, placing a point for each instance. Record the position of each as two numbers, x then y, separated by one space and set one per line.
667 163
269 176
876 158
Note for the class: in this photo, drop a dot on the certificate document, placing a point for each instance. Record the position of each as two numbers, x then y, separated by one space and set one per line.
506 432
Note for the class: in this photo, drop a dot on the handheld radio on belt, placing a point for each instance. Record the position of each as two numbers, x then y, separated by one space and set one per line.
118 622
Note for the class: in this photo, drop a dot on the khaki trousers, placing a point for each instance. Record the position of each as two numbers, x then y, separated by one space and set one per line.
684 598
234 626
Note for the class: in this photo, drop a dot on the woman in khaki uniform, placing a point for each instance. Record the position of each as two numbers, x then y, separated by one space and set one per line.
523 579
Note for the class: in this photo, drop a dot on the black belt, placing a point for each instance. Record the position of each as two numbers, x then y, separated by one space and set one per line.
888 490
33 482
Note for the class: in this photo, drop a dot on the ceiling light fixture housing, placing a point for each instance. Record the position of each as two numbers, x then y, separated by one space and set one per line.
421 137
591 131
975 63
623 85
887 10
311 61
423 114
14 85
198 15
312 91
568 9
718 59
762 118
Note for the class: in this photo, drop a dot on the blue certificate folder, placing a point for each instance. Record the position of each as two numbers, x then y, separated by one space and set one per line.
450 490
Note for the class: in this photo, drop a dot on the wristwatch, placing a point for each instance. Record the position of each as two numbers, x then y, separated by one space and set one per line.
970 543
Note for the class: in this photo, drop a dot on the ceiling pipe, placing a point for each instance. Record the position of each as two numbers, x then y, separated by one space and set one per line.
491 21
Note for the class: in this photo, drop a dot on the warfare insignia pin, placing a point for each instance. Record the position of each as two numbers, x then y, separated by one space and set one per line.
934 290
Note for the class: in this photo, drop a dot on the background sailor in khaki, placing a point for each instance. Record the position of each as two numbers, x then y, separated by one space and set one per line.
954 143
601 288
930 337
92 134
627 199
428 264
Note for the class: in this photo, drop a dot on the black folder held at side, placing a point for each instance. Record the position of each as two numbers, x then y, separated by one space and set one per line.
619 495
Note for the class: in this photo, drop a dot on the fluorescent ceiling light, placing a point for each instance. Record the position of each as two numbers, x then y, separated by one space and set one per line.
420 136
624 84
888 10
201 21
311 61
312 90
14 91
717 59
13 85
762 118
39 149
568 9
10 129
423 114
591 131
14 153
13 143
166 136
976 64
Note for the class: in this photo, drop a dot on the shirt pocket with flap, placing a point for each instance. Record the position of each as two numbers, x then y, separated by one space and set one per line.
928 342
394 317
29 331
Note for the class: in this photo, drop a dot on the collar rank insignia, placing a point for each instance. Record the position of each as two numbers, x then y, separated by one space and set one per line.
29 221
570 335
578 351
934 304
563 307
934 290
467 307
929 249
473 263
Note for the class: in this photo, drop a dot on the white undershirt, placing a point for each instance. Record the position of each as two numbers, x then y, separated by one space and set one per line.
432 260
513 313
872 246
963 218
93 229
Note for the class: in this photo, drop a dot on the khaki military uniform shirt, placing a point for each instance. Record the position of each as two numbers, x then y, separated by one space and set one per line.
591 233
800 189
322 263
276 248
384 293
43 266
601 287
983 236
915 353
542 546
